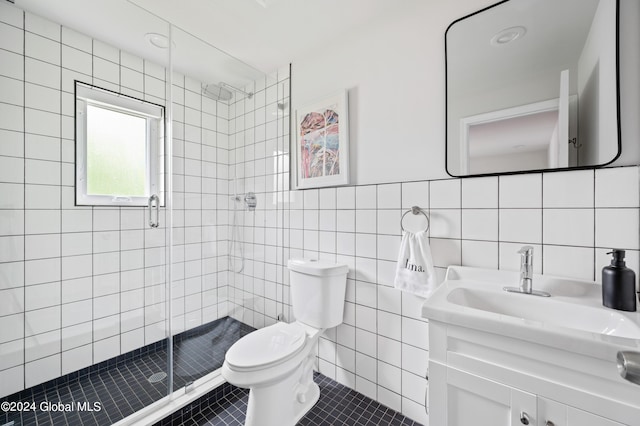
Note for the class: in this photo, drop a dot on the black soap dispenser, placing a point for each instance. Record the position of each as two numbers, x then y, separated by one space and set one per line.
618 284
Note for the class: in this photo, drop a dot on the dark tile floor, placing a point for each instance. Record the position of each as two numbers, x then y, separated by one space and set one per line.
338 405
121 386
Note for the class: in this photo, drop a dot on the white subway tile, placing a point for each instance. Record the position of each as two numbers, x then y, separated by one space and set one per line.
415 360
415 194
12 64
11 248
480 254
42 246
77 60
12 355
77 358
76 312
13 301
76 40
11 222
76 267
76 289
106 70
415 333
42 345
42 123
365 197
346 197
42 147
389 196
42 271
389 377
445 252
365 221
42 197
571 227
42 320
480 193
106 349
11 38
106 327
445 223
389 325
43 73
521 225
41 26
480 224
617 187
42 370
568 189
77 335
11 118
42 296
617 228
388 247
41 48
520 191
445 194
573 262
11 275
42 172
11 91
131 340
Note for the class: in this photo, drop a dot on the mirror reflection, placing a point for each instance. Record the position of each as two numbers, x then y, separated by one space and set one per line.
532 85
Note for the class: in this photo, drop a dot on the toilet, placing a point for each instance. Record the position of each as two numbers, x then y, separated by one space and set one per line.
276 362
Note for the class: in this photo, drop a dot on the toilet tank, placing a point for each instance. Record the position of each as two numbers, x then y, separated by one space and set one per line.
317 291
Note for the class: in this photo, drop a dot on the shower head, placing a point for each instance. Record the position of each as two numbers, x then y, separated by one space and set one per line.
217 92
249 95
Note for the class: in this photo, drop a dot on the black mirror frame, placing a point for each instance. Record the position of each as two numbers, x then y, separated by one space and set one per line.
559 169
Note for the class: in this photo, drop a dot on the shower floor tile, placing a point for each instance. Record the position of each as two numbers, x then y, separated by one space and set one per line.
121 385
338 405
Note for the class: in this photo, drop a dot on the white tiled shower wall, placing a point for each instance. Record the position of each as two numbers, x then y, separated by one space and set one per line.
79 285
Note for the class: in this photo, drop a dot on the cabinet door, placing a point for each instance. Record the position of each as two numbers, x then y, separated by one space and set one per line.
473 400
576 417
553 413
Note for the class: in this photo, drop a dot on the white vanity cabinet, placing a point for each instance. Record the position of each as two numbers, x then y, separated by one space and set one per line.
474 400
483 379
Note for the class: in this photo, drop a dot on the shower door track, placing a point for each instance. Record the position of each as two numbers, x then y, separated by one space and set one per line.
164 407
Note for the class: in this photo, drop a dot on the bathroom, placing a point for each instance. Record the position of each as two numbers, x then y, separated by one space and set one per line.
81 285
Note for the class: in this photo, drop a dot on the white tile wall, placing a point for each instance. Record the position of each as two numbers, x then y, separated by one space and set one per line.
80 285
381 349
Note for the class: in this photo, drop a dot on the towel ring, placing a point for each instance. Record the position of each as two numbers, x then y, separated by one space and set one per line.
415 210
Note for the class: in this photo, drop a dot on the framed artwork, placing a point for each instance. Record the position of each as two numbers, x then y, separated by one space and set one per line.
322 143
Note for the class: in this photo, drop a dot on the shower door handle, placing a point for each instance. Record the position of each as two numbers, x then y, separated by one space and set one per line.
152 223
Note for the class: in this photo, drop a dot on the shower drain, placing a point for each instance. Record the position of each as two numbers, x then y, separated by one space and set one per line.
157 377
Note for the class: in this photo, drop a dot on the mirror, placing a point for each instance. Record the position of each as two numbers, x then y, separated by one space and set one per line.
532 85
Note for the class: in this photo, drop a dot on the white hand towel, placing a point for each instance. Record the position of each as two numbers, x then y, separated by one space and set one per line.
414 272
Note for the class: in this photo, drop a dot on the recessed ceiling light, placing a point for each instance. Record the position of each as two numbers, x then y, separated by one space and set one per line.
508 35
158 40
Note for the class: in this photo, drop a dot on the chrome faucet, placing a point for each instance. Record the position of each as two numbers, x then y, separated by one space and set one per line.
526 274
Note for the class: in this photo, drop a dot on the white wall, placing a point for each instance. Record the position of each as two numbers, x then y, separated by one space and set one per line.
394 71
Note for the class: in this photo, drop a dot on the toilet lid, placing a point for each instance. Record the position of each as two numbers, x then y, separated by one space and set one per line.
269 345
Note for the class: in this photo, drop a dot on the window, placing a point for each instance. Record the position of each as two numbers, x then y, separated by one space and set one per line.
119 148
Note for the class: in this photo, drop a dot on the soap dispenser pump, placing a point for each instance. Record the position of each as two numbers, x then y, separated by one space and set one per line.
618 284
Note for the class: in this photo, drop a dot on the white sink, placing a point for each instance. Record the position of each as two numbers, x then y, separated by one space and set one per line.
474 298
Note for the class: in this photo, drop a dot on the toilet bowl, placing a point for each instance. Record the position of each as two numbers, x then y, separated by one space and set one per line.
276 362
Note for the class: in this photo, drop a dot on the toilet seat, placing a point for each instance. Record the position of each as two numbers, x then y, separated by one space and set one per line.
267 347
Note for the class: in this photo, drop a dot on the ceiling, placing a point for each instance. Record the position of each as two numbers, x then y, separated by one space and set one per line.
217 40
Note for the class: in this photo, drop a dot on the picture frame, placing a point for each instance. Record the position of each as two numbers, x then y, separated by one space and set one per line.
322 142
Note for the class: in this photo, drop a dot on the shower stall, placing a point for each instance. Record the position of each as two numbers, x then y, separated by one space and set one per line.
104 318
